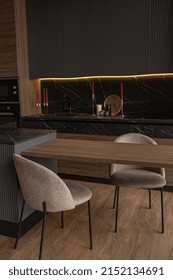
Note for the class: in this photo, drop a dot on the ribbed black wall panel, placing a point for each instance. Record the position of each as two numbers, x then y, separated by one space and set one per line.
99 37
8 195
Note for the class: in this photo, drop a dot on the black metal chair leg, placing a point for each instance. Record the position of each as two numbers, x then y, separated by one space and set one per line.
114 196
149 198
20 223
62 219
90 224
162 210
116 207
42 232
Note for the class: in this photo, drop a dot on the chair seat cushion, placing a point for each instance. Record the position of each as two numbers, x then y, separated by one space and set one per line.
79 192
137 178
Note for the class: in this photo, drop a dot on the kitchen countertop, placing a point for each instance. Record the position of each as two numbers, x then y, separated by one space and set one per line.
19 135
84 117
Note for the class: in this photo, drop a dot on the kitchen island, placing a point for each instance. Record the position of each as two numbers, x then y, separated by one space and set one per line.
15 141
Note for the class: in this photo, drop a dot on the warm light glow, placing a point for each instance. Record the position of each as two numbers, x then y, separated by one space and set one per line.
109 77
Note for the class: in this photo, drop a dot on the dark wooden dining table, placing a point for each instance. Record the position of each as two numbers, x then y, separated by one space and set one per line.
105 152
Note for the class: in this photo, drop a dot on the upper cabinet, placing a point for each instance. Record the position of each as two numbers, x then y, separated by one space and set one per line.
8 53
76 38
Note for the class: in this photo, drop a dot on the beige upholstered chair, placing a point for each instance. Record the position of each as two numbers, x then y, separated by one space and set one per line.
133 176
45 191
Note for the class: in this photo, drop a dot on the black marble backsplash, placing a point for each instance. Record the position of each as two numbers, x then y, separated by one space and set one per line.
144 97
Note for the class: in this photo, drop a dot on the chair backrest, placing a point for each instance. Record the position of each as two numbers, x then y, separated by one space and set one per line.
138 139
39 184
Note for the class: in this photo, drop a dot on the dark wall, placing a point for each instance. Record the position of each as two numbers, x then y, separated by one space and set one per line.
69 38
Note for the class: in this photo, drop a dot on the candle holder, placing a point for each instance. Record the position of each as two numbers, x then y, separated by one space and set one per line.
122 100
122 109
93 98
46 109
93 108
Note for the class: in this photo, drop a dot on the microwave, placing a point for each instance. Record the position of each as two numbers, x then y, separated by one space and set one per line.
9 90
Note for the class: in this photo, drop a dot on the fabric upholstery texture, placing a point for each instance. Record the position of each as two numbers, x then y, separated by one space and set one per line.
138 178
79 192
134 175
39 184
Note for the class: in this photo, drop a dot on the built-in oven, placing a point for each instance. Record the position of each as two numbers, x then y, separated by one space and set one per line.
9 103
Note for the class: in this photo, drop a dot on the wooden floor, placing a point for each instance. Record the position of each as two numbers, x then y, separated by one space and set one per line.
139 233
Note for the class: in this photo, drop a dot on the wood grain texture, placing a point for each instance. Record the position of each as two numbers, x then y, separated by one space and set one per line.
27 87
105 152
94 169
100 170
139 235
8 54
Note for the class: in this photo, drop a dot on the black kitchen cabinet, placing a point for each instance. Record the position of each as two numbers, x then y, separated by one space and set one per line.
76 38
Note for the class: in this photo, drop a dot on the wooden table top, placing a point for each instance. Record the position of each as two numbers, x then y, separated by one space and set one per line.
105 152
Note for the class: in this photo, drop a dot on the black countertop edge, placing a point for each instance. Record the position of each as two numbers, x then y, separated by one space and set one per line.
97 119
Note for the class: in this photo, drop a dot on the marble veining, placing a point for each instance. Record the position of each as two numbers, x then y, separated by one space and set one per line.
18 135
148 106
147 97
104 128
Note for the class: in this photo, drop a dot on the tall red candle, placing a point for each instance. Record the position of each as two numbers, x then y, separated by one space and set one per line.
122 92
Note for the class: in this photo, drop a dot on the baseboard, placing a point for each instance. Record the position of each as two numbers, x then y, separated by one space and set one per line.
10 229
